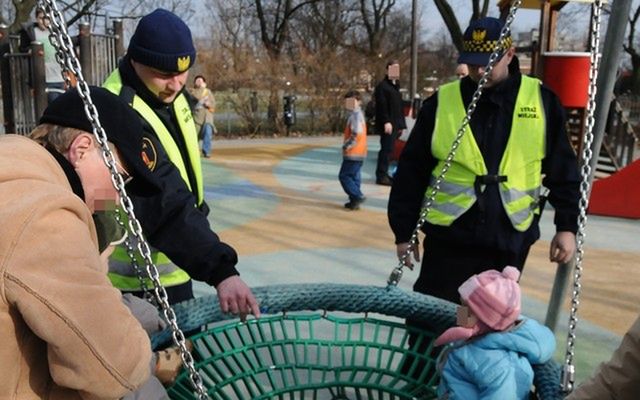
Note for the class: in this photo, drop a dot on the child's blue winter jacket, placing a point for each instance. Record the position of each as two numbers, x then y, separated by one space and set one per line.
496 366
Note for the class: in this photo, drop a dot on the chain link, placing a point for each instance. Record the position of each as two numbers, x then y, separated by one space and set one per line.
128 245
396 274
568 372
66 57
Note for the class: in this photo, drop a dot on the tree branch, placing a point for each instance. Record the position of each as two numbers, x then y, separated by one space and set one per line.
451 22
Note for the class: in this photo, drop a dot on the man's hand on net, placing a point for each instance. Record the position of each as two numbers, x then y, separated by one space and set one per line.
235 297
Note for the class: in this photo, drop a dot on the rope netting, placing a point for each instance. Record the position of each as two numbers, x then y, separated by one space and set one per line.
323 341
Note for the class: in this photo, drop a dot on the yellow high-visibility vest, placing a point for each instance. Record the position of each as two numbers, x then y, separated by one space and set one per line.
121 273
521 162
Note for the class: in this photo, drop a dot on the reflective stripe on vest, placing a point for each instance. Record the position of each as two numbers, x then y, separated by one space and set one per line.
121 273
124 277
521 161
132 283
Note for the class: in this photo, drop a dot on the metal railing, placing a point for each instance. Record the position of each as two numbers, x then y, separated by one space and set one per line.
621 139
22 74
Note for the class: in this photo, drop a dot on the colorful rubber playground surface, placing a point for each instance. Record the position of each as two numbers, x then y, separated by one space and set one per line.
278 202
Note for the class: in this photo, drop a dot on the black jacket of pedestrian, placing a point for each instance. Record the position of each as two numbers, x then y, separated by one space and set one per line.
171 221
491 126
388 102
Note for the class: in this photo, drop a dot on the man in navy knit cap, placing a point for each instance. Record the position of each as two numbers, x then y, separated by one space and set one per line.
151 78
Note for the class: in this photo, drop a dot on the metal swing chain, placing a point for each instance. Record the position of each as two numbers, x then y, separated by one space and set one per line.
131 253
65 55
568 372
396 274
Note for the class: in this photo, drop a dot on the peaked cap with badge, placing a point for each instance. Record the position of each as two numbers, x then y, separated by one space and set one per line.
480 40
162 41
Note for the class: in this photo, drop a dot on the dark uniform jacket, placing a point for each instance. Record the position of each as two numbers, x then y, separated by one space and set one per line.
171 221
491 125
388 102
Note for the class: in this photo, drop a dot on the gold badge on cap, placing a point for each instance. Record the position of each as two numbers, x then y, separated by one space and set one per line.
149 154
183 63
478 35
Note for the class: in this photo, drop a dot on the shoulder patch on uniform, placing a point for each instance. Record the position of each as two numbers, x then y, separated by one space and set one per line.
149 153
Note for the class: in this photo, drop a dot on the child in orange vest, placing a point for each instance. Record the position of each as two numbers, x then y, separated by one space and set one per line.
354 151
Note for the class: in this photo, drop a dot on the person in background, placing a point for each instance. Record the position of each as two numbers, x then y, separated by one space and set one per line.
389 119
354 151
489 354
203 113
66 332
462 70
151 77
39 32
618 378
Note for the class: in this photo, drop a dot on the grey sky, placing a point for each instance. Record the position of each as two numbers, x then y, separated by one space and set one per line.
431 21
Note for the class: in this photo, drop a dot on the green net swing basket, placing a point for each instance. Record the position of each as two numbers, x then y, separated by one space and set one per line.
323 341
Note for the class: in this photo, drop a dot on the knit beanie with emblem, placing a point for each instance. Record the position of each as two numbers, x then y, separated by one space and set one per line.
480 39
162 41
494 298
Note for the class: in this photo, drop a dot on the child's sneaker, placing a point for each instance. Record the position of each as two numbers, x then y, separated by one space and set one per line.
169 363
352 205
355 204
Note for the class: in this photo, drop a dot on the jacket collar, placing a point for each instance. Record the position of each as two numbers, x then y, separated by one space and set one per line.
69 171
390 82
497 94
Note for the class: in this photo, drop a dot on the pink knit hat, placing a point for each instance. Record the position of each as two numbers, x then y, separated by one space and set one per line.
494 298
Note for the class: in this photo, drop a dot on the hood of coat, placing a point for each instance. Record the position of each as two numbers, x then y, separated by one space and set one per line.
528 337
23 158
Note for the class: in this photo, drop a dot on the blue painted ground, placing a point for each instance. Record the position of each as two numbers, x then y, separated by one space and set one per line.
237 201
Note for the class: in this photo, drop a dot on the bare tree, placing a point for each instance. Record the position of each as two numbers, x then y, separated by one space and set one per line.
437 61
480 9
22 10
239 54
374 15
274 18
376 30
314 49
17 13
323 25
633 82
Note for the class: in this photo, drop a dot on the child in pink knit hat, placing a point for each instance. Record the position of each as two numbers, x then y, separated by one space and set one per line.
489 354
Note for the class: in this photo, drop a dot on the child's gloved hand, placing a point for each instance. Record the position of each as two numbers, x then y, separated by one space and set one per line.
348 145
144 312
169 363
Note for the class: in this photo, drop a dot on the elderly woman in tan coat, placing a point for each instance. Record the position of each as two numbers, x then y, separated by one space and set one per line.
203 113
66 333
619 378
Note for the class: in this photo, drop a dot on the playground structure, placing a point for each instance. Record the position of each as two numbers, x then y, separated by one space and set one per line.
23 74
258 334
567 74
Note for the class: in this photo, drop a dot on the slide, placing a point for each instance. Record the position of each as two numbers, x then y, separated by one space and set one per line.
619 194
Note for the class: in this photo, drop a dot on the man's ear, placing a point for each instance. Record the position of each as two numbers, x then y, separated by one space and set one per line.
79 147
510 53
